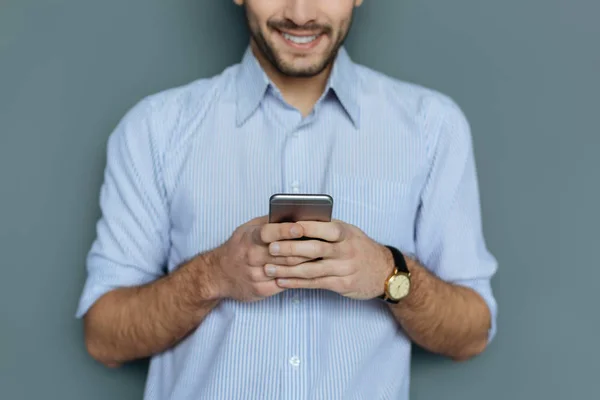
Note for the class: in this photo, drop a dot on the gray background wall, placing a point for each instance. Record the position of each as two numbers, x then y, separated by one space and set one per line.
524 71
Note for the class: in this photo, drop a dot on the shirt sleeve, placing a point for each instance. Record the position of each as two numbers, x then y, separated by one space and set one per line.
449 237
131 243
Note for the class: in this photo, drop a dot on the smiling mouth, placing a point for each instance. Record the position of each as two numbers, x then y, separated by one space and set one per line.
302 40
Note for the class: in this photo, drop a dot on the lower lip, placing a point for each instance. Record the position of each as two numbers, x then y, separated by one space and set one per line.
303 46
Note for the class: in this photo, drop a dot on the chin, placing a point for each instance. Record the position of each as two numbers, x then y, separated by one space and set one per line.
301 72
307 67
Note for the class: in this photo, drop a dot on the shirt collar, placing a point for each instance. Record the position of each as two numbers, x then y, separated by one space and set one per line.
252 84
345 83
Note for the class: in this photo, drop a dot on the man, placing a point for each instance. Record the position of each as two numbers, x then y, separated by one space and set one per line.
186 269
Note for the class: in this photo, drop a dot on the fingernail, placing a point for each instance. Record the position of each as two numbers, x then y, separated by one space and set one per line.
274 248
271 269
295 231
282 282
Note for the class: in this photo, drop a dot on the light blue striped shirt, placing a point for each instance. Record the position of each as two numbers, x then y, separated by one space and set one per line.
186 166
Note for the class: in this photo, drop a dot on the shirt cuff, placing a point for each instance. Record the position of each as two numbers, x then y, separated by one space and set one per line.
105 276
484 288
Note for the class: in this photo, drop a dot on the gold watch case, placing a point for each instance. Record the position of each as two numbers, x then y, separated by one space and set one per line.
398 285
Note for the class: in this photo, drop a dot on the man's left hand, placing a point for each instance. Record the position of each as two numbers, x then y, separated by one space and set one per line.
345 261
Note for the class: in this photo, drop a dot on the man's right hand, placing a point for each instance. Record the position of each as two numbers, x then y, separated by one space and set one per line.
134 322
239 271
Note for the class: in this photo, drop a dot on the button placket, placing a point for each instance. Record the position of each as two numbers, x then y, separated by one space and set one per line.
293 163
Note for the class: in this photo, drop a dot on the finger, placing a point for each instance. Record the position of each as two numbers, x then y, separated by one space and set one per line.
257 274
258 256
329 231
327 283
288 261
267 289
269 233
309 270
303 248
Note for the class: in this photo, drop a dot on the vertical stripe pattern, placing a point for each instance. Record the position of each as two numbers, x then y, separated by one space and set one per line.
186 166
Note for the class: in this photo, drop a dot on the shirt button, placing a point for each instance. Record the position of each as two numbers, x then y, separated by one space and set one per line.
294 134
295 300
296 187
295 361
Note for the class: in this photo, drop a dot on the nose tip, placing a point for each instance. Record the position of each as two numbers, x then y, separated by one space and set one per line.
301 12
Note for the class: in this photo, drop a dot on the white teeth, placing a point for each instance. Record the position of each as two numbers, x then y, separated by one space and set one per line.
299 39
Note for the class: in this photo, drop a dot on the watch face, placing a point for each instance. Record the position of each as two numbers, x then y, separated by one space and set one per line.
399 287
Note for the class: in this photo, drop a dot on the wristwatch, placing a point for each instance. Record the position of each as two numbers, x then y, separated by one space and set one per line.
397 285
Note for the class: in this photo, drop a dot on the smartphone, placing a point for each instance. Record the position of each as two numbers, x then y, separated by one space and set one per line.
300 207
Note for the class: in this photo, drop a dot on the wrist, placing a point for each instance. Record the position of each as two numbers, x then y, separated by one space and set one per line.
417 297
390 265
388 269
214 281
200 278
397 282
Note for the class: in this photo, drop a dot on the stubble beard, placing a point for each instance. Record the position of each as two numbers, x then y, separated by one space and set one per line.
270 54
